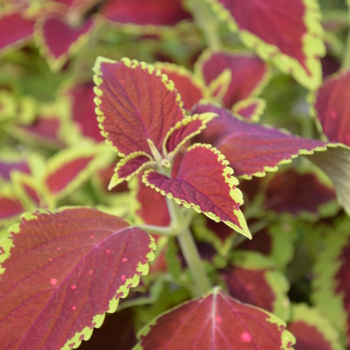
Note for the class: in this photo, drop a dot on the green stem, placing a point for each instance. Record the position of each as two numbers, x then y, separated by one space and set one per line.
159 230
206 22
189 250
346 57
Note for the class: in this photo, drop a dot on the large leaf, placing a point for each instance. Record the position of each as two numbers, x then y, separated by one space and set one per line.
135 102
145 12
312 330
332 107
206 184
287 33
215 321
62 272
248 74
253 279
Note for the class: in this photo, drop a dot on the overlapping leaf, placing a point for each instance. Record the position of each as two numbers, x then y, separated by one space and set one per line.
206 184
253 279
250 108
7 166
312 330
288 34
215 321
154 12
247 75
10 207
61 272
332 107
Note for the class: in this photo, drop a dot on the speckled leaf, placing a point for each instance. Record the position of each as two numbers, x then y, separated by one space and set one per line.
154 12
58 41
252 148
189 86
15 29
63 272
297 193
249 74
312 330
215 321
135 102
206 184
287 33
250 108
332 107
253 279
331 290
82 108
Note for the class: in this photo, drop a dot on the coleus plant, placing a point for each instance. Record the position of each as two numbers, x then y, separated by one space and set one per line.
198 234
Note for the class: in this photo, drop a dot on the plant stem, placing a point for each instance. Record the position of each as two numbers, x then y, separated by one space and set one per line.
206 22
346 57
159 230
189 249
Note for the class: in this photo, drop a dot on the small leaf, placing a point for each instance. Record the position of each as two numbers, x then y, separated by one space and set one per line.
253 279
204 183
250 108
135 103
249 74
287 33
331 106
312 330
10 207
191 89
16 29
9 165
154 12
64 272
215 321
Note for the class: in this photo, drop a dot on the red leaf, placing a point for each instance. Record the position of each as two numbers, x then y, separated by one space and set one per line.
332 105
204 183
186 83
15 29
10 207
251 148
135 103
216 322
249 74
288 33
250 109
65 270
7 166
143 12
81 97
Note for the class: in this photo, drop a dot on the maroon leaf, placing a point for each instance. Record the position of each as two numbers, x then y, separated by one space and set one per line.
332 106
251 148
7 166
312 330
187 84
249 74
204 183
296 193
288 33
216 321
156 12
10 207
15 29
81 96
58 40
250 109
135 103
63 272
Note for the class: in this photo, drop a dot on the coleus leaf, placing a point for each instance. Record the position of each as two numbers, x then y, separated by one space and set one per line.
190 87
204 183
290 35
82 107
331 291
216 321
10 207
58 40
140 114
51 278
248 74
331 107
16 29
154 12
250 108
312 330
7 166
254 279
